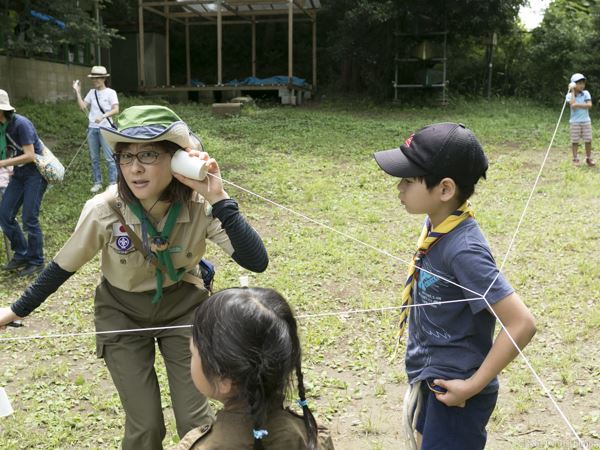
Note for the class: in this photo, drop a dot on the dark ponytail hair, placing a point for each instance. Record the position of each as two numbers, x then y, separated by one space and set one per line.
250 336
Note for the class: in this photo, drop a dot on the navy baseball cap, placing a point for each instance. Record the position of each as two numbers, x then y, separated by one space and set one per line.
442 149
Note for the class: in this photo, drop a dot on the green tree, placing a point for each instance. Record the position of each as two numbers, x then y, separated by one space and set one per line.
362 37
40 27
565 42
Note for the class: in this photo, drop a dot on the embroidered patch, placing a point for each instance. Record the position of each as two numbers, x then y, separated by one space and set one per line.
122 242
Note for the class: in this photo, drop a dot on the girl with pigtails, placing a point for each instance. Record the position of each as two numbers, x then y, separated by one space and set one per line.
245 350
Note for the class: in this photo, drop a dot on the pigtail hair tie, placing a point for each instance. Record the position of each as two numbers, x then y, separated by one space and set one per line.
302 403
259 434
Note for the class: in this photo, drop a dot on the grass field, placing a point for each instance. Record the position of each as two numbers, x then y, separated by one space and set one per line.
316 160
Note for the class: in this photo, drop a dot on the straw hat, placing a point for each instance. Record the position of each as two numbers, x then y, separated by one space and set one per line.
98 72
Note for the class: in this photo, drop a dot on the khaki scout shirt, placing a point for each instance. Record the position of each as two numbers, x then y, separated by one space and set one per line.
99 228
233 431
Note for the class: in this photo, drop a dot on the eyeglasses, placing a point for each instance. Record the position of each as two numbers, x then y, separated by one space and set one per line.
145 157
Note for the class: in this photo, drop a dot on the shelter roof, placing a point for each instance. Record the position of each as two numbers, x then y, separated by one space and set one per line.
209 8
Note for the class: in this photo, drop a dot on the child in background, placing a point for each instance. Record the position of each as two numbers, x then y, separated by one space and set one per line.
245 348
580 122
451 362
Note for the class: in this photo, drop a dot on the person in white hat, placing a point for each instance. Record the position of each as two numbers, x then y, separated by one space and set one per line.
580 101
19 143
104 104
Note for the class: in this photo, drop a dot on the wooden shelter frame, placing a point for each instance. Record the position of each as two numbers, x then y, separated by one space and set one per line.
227 12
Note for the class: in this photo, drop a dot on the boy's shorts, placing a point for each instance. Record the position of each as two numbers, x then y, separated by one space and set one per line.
581 131
454 428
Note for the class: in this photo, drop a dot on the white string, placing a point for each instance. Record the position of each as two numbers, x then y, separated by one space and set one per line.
533 371
537 179
70 162
300 316
512 241
480 297
346 235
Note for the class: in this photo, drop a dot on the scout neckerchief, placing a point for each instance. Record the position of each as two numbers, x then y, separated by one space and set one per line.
427 239
159 245
3 145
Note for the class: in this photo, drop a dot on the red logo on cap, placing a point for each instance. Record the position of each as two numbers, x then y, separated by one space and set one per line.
409 140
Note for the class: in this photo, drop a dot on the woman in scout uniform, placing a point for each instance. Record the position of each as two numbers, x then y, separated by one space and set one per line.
151 232
245 349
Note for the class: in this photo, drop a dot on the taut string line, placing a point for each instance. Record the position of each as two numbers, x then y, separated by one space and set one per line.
510 246
352 238
174 327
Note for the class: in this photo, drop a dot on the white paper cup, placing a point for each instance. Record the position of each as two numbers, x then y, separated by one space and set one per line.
5 408
189 166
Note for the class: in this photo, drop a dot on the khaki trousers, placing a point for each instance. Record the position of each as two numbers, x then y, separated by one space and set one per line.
130 359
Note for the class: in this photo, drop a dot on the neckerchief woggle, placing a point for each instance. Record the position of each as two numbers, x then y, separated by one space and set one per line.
159 246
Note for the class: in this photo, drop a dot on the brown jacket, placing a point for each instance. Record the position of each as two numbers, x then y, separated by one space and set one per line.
233 431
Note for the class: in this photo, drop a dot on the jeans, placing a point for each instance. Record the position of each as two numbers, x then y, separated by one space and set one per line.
95 143
25 189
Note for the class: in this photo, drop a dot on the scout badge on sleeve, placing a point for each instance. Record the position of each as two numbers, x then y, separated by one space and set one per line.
122 243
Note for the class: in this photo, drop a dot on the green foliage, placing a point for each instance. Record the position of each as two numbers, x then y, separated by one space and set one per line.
567 41
30 35
363 38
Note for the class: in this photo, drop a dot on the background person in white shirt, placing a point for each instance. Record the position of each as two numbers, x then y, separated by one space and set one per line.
104 104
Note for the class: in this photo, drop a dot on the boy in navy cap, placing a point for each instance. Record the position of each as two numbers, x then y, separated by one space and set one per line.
452 361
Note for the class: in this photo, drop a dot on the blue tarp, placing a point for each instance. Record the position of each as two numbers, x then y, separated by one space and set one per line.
46 18
278 79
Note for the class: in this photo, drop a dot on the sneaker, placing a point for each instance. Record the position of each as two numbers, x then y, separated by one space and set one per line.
95 188
590 162
30 270
14 264
576 162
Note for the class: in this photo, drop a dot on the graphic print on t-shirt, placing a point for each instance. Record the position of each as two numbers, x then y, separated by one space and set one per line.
428 292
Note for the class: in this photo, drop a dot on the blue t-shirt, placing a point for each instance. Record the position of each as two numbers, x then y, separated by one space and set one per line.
580 115
22 132
451 341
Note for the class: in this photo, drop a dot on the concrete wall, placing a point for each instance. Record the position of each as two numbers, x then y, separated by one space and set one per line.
40 80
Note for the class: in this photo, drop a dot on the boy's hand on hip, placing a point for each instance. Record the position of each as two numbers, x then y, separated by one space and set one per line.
457 392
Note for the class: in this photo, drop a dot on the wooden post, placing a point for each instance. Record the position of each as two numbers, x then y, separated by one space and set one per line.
314 52
188 66
141 67
98 51
254 46
290 42
167 46
219 44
